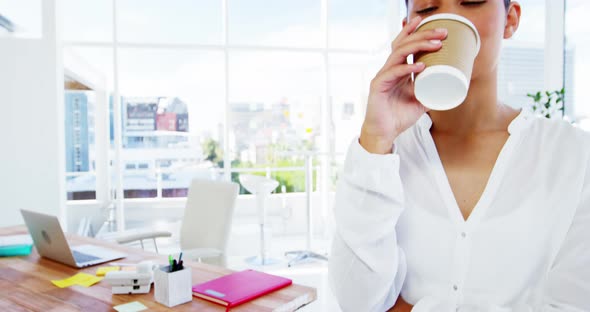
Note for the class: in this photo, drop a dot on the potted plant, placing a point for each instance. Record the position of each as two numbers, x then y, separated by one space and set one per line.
548 104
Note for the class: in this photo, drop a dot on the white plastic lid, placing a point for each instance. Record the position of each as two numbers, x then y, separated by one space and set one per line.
441 87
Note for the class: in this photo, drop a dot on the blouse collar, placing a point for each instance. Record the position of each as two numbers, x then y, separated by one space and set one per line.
518 124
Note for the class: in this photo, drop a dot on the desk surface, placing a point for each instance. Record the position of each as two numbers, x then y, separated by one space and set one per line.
25 285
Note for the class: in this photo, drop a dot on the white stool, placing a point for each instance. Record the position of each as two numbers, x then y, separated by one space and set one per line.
261 187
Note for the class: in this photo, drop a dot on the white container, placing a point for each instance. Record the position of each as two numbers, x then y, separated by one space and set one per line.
171 289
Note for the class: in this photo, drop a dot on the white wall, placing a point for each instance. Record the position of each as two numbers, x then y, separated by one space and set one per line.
32 152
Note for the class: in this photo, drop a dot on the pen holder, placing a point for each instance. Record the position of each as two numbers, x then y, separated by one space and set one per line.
172 288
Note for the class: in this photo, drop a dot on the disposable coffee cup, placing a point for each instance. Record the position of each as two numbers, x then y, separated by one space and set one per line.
444 83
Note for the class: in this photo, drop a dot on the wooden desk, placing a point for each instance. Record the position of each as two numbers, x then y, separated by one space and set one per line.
25 285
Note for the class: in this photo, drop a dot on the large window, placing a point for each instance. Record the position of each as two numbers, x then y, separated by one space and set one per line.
172 103
577 70
349 80
80 143
521 68
275 112
87 21
169 22
210 88
199 97
361 25
275 23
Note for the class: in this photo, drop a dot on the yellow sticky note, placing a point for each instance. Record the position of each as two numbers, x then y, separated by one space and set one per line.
88 280
102 271
130 307
67 282
82 279
62 283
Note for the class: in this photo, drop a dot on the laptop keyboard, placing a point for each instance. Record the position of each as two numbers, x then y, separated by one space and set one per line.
82 257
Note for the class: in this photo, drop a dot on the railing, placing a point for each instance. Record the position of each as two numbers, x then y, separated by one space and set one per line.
172 206
159 174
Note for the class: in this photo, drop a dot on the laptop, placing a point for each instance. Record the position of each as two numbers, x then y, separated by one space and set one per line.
50 241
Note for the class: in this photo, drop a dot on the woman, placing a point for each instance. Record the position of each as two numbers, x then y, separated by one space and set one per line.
480 208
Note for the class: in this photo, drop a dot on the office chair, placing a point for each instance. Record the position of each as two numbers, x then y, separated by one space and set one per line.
205 226
100 225
207 220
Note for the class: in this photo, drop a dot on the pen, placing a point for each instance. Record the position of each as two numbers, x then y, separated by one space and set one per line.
170 261
180 257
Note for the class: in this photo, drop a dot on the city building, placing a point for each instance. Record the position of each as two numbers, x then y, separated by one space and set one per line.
76 129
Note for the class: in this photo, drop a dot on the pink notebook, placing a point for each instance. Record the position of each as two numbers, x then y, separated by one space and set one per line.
239 287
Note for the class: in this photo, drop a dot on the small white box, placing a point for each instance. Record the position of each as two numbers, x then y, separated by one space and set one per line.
173 288
130 282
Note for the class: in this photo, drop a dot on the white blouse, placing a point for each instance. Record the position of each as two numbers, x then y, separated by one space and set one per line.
525 246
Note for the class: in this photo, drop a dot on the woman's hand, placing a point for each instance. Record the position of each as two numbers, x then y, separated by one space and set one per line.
392 107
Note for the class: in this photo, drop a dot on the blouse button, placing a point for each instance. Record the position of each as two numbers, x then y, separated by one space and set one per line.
455 287
463 234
